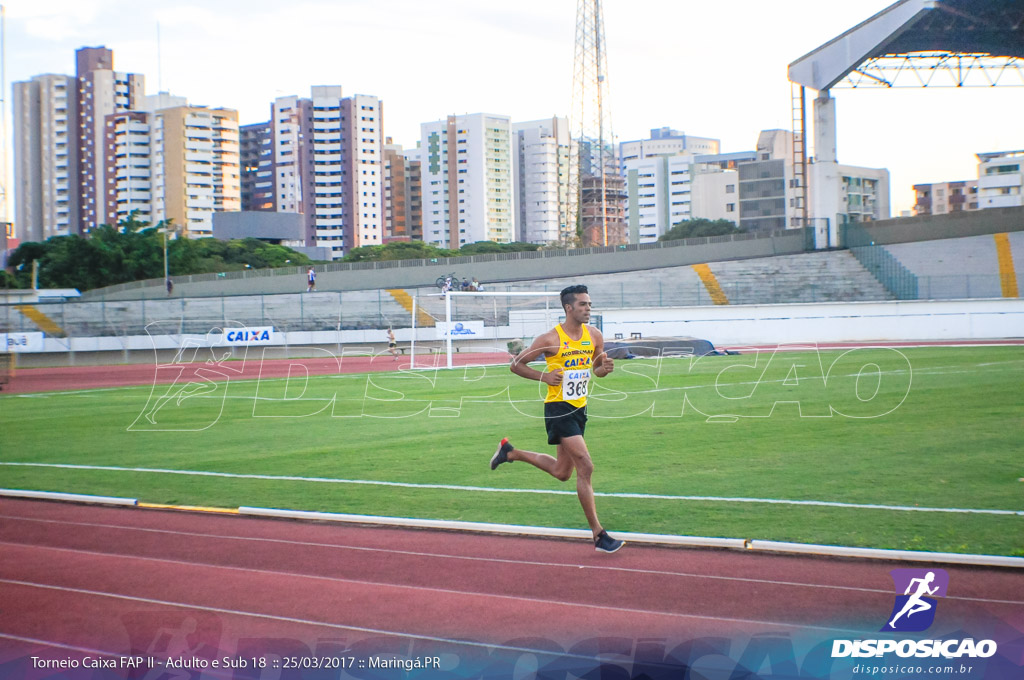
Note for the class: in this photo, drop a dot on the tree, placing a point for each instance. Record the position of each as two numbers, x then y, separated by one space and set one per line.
700 227
134 251
397 250
483 247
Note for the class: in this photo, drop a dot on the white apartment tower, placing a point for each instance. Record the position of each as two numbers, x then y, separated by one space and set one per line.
658 190
326 152
467 180
129 180
1000 179
541 153
362 120
667 142
45 143
286 122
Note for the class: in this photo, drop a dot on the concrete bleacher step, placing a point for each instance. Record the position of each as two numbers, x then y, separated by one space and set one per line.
41 320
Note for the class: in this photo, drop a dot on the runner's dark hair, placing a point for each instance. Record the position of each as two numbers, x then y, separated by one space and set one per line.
569 294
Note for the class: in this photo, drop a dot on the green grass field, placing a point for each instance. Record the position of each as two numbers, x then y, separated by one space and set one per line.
928 428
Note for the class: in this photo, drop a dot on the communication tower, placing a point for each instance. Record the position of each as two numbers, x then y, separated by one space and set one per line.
597 190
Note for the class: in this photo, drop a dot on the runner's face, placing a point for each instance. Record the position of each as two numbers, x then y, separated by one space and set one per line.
580 309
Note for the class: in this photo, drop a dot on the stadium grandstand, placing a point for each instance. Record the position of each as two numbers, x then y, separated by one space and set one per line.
972 256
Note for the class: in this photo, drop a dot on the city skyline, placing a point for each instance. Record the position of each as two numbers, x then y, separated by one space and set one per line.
693 68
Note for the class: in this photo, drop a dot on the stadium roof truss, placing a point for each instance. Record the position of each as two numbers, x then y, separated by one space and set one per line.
923 43
911 43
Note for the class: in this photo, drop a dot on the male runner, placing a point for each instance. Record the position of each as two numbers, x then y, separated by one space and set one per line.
392 344
572 351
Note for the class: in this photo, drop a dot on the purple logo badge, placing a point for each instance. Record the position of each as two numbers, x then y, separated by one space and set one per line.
916 593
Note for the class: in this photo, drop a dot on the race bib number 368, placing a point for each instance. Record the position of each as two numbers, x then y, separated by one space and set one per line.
574 384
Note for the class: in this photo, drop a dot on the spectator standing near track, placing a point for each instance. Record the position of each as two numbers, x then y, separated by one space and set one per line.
311 280
573 351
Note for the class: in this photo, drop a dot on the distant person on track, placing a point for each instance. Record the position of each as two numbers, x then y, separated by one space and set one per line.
392 345
573 352
170 286
310 280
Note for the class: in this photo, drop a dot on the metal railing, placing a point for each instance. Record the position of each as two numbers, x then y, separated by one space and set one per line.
453 262
376 309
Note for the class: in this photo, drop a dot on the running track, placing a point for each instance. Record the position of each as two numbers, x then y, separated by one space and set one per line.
80 581
30 380
76 580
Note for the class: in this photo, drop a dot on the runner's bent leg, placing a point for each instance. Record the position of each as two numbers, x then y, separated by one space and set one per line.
560 468
576 450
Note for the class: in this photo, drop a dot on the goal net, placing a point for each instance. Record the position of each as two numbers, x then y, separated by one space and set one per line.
484 326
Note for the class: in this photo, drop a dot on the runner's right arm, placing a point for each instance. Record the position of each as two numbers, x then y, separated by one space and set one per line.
546 342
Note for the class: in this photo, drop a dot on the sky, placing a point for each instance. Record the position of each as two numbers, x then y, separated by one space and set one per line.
709 69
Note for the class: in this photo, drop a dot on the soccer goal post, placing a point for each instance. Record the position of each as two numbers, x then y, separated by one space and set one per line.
488 323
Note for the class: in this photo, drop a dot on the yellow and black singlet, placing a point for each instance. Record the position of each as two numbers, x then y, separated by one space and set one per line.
575 358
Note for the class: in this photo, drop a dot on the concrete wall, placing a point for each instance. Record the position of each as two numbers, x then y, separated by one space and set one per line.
723 326
951 225
826 322
536 265
556 263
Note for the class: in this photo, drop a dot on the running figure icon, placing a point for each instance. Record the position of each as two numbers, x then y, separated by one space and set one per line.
915 603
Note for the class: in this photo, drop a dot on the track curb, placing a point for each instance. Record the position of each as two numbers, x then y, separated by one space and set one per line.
739 544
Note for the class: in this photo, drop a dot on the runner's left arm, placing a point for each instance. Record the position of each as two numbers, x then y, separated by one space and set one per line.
603 364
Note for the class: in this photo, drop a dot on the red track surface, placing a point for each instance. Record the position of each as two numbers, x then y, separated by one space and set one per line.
185 584
120 375
89 377
77 580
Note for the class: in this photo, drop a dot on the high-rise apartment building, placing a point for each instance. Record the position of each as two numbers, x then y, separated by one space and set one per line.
467 180
659 195
715 185
256 149
61 144
45 157
864 193
946 197
320 157
362 121
101 92
403 201
195 166
541 153
128 175
667 142
767 186
1000 179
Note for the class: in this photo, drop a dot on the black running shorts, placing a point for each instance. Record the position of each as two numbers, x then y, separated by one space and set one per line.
562 419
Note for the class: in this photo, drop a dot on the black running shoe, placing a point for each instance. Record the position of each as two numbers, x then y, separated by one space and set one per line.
501 455
606 544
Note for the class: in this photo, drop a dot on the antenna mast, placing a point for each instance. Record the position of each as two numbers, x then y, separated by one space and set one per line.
596 187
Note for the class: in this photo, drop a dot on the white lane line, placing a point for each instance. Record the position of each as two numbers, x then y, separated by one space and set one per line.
397 586
489 560
304 622
546 492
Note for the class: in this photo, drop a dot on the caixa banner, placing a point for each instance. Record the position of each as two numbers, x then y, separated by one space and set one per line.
461 330
21 342
261 335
